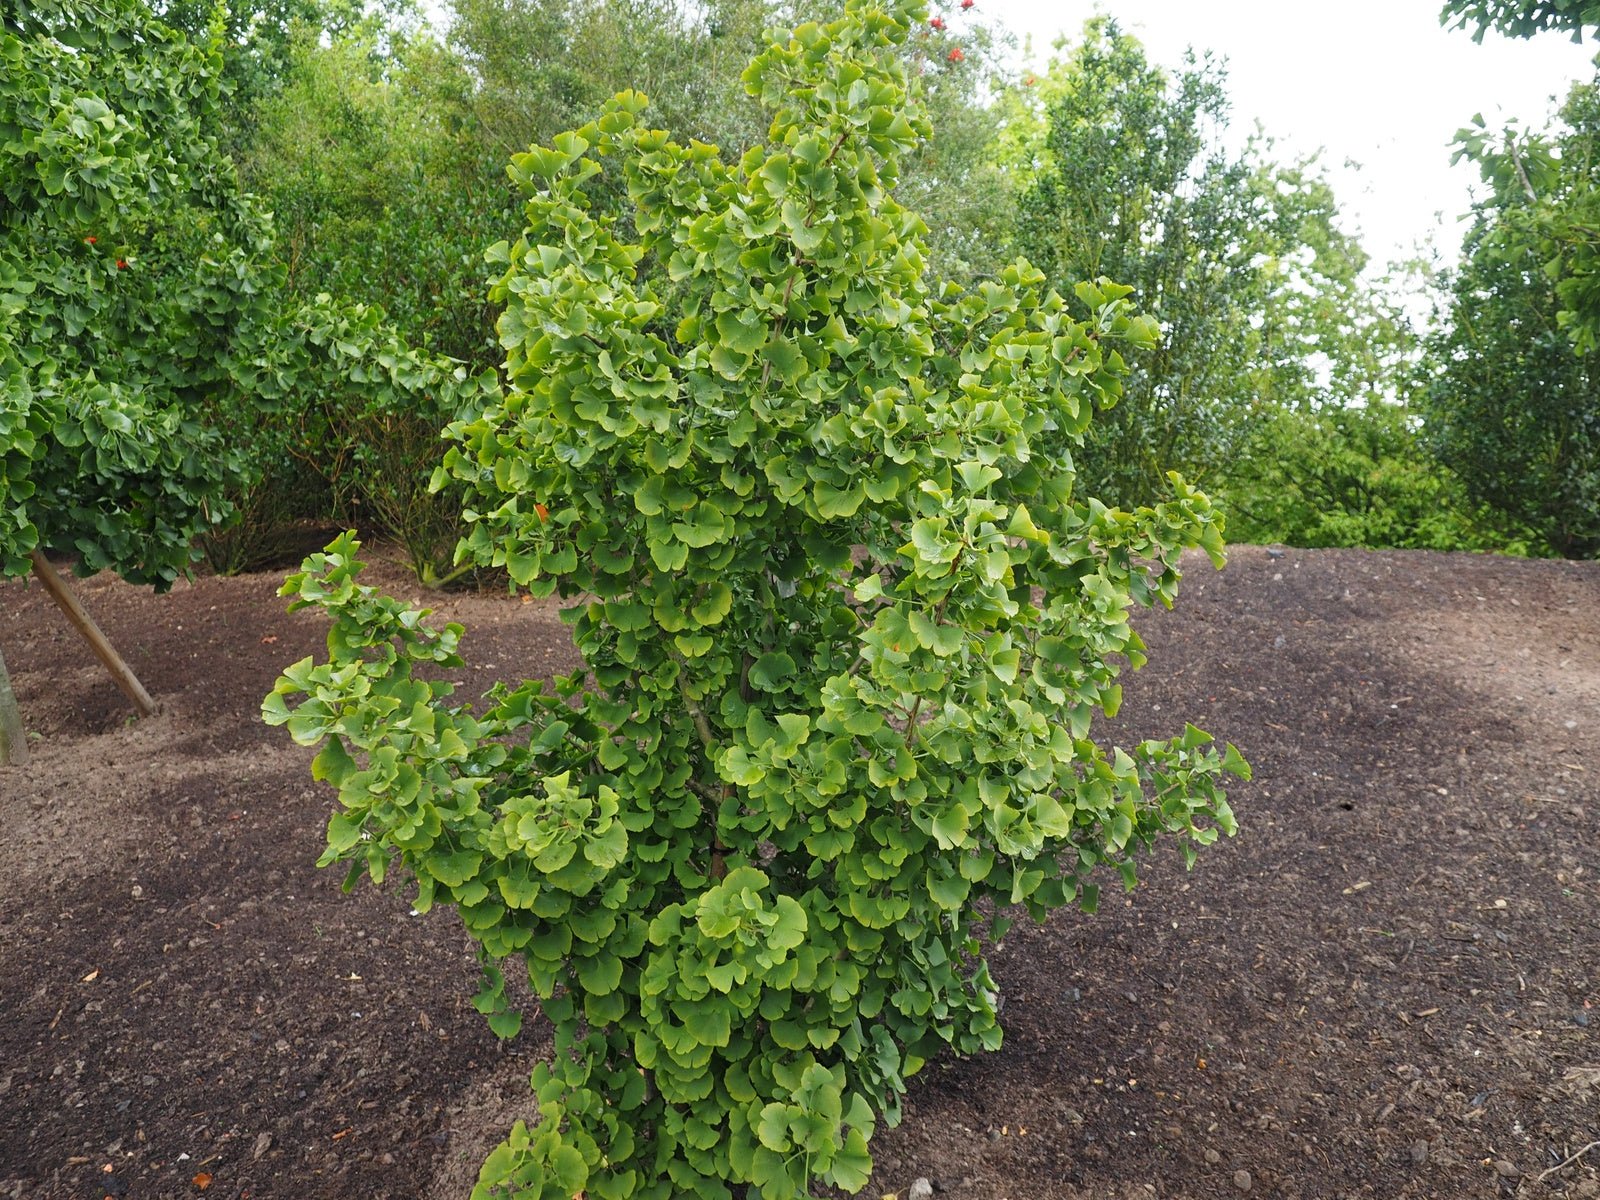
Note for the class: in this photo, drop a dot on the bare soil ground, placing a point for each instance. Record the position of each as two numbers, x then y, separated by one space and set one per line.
1387 986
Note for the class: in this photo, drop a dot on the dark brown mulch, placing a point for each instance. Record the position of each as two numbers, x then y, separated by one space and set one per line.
1387 986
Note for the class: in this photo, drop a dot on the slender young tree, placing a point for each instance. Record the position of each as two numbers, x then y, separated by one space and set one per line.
847 624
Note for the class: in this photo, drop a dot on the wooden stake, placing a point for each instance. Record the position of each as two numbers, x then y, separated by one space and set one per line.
13 741
84 623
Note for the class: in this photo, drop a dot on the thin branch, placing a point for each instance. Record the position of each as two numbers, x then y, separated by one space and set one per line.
701 725
1568 1162
701 790
836 147
1516 161
911 720
783 319
708 739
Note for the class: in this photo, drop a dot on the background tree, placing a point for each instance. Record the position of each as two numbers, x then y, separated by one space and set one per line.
147 313
538 66
256 39
376 136
952 178
1257 291
377 193
1511 401
1511 405
1546 188
1562 218
130 265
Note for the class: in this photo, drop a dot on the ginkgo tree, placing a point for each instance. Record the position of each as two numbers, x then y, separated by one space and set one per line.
847 627
1522 18
142 319
128 262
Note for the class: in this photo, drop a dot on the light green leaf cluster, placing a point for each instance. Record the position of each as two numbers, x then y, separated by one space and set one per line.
847 628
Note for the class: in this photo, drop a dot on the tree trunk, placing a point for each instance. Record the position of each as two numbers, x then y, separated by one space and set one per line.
84 623
13 741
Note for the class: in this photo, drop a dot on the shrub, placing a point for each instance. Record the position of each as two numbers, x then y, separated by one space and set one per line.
338 399
1351 477
847 628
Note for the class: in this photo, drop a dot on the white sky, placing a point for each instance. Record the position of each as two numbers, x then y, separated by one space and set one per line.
1377 83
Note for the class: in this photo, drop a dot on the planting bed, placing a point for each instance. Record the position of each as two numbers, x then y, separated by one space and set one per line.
1387 986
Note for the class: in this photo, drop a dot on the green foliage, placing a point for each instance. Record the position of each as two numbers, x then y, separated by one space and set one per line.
259 38
950 178
1512 403
371 138
155 374
1521 18
1349 477
360 153
331 393
1512 410
847 626
128 261
1545 203
1238 259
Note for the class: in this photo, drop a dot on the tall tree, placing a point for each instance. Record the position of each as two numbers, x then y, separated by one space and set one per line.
538 65
257 37
361 152
1513 397
1240 260
1545 192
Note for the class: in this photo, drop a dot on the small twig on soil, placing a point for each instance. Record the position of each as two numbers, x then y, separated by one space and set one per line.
1568 1161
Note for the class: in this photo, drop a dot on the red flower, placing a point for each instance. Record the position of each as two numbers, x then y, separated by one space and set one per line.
937 23
968 3
956 55
122 264
91 239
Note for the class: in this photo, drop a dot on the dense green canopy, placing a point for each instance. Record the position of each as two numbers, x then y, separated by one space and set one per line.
128 263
